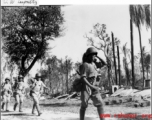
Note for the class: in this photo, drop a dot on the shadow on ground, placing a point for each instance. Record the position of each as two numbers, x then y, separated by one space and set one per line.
16 114
6 111
57 105
86 118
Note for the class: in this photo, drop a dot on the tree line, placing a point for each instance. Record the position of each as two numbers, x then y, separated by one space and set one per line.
26 32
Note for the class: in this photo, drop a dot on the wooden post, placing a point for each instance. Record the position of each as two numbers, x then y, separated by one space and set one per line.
119 65
114 57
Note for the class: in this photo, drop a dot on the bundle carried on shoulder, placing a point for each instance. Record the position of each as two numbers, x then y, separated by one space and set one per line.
77 83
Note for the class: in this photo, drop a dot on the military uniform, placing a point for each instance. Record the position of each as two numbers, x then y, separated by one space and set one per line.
19 94
90 90
36 90
6 94
90 72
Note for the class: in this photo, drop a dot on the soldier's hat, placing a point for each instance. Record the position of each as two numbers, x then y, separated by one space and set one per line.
7 79
20 76
38 75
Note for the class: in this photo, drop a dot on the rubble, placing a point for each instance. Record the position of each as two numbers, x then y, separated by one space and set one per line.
138 98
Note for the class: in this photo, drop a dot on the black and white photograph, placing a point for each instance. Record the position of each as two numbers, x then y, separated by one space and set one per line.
75 61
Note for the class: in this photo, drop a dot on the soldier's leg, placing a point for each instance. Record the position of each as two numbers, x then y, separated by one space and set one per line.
16 101
98 102
36 102
33 108
21 98
84 104
100 112
7 102
4 101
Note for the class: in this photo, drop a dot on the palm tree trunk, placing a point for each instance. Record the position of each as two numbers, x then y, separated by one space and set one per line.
132 53
142 62
118 64
114 57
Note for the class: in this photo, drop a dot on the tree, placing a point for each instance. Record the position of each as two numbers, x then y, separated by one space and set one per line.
125 63
146 59
132 54
26 32
104 44
140 15
53 72
77 65
68 63
147 63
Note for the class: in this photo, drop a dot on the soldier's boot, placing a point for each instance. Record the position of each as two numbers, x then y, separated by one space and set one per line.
33 109
20 107
100 112
82 113
15 106
38 109
3 104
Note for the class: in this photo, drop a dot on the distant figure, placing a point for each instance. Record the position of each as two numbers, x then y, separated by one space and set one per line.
88 72
36 90
6 93
19 91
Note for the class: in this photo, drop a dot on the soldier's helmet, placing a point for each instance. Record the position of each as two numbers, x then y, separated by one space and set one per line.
38 75
91 50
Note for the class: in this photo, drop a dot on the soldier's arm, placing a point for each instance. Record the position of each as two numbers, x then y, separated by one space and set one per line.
100 64
44 86
87 83
24 86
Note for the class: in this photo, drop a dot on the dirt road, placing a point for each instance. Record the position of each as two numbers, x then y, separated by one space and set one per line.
67 110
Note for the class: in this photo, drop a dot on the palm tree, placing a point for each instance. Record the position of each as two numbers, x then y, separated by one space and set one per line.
147 63
140 15
146 59
132 53
125 63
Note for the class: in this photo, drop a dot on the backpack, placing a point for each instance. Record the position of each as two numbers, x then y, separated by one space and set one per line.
77 83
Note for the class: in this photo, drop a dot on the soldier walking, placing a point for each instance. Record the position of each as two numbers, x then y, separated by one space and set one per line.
36 91
90 89
19 93
6 93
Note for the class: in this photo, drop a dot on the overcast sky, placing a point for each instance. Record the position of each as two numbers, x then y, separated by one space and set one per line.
79 20
80 17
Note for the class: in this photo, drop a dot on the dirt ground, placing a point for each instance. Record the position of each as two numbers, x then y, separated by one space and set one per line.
69 110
